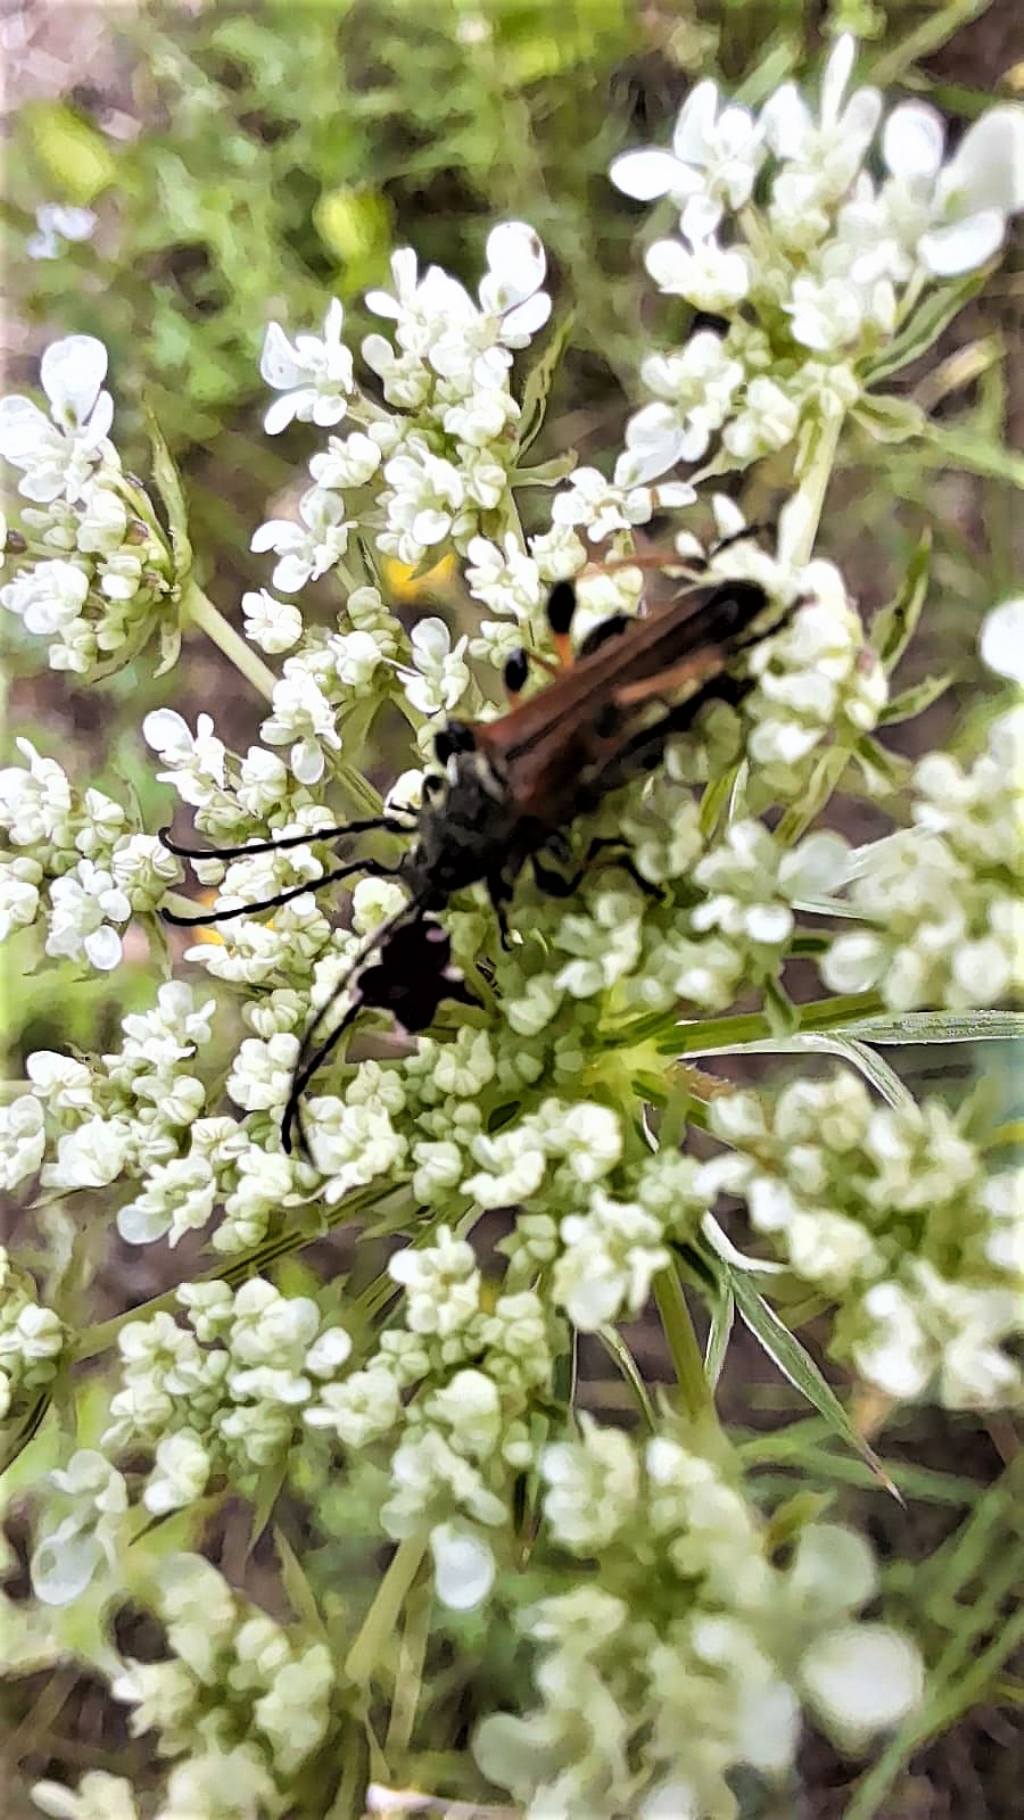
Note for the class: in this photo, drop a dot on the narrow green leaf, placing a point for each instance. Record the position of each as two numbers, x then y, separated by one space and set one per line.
914 701
940 1027
723 1314
617 1350
893 626
884 772
825 779
925 326
845 1048
890 419
964 448
796 1365
547 474
301 1596
168 485
539 382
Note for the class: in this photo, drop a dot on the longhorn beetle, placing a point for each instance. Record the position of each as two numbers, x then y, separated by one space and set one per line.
511 786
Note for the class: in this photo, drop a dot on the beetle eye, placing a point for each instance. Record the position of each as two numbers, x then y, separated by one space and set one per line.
433 785
457 736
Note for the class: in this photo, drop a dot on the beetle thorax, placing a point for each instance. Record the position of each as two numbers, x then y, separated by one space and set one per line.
465 830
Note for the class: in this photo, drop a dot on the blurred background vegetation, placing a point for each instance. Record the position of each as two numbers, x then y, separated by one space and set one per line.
248 161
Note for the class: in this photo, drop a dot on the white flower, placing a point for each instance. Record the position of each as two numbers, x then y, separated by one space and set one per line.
611 1254
602 506
464 1566
767 421
963 207
711 277
47 598
313 372
360 1409
1002 639
35 805
81 902
428 493
99 1796
69 1553
349 461
696 388
862 1677
196 761
440 676
56 222
20 879
714 160
442 1281
261 1075
179 1475
505 579
304 720
274 625
307 550
91 1157
57 454
179 1196
22 1140
510 290
833 147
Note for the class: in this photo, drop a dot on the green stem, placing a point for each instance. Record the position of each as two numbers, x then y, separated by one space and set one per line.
382 1617
682 1037
197 609
688 1364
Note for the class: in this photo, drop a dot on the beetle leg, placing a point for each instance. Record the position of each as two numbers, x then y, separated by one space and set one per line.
624 860
499 892
561 607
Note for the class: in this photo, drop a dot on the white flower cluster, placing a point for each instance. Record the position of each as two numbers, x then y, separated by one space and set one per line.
890 1213
121 1116
687 1654
821 263
234 1674
93 570
941 900
74 864
223 1393
31 1337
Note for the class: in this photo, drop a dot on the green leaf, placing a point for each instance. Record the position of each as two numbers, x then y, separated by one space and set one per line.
977 454
883 771
723 1313
301 1596
914 701
547 474
168 485
825 779
890 419
940 1027
617 1350
925 326
893 626
785 1350
848 1049
170 645
539 382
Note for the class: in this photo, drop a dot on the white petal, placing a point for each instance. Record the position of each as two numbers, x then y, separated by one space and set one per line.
279 415
328 411
700 217
334 320
863 1676
307 761
786 120
515 257
291 574
696 119
669 265
913 140
25 432
167 733
63 1565
646 175
815 866
862 114
1002 639
103 948
528 317
987 170
836 75
138 1226
72 372
278 365
463 1566
963 245
276 531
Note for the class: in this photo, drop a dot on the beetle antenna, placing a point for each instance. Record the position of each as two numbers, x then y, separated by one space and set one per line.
374 868
388 823
310 1059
